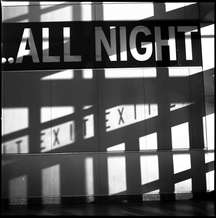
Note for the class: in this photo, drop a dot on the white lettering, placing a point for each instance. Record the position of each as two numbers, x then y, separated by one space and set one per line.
100 38
67 56
171 42
146 45
188 43
45 47
27 37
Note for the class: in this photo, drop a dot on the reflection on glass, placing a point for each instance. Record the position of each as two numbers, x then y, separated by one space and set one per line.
116 175
208 130
18 190
184 186
62 75
123 73
151 196
181 162
51 185
87 73
209 157
149 168
210 177
89 176
119 147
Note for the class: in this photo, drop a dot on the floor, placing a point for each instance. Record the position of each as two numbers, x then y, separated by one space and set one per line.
170 208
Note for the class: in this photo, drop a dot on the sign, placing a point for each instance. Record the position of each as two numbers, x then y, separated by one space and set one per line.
53 137
100 44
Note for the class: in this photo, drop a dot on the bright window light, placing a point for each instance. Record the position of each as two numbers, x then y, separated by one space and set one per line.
209 157
149 168
173 6
119 147
176 106
51 113
119 73
181 162
148 142
124 11
208 131
14 119
87 73
180 136
62 75
210 180
88 126
184 186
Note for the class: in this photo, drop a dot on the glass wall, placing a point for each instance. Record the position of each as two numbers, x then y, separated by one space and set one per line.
144 131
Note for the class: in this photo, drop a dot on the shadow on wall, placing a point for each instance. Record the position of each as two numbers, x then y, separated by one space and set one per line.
128 135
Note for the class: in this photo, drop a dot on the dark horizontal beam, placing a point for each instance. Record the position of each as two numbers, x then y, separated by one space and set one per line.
22 91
